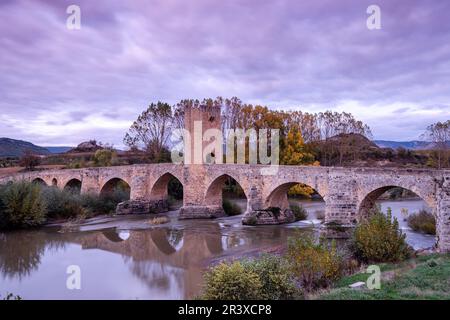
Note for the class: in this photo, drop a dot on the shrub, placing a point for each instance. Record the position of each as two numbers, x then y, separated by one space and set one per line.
423 221
104 204
300 213
21 205
104 157
230 208
29 160
232 281
314 264
63 204
277 284
379 239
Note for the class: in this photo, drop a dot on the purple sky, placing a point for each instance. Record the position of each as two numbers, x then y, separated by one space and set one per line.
60 86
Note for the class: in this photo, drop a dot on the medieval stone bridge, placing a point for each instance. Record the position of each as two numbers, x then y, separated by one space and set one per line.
349 193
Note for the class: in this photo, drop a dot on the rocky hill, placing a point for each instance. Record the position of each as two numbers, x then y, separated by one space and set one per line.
357 150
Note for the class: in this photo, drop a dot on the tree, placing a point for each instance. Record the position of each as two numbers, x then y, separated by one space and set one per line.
439 134
29 160
104 157
295 152
151 130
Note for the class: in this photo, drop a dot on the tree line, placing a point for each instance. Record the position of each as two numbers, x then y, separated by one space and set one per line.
305 138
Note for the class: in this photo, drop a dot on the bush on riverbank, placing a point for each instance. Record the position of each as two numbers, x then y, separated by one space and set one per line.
103 204
231 208
21 205
232 281
378 239
273 271
423 221
266 277
314 265
300 213
62 204
25 204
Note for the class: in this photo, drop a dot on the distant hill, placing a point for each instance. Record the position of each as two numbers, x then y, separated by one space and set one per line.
409 145
56 150
16 148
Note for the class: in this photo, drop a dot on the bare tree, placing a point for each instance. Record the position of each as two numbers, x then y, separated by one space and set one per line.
152 129
439 134
29 160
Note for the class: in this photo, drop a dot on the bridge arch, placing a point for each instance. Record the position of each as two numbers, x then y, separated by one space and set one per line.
113 184
369 198
160 188
278 195
73 186
369 202
213 195
39 181
54 182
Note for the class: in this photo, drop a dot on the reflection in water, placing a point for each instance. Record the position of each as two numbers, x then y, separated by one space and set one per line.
175 238
21 251
117 263
124 234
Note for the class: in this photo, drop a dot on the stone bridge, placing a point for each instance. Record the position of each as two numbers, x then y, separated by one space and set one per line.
349 193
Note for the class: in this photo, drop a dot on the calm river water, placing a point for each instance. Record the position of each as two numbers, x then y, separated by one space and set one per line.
126 258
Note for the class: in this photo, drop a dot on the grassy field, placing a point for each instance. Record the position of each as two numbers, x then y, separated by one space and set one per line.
425 277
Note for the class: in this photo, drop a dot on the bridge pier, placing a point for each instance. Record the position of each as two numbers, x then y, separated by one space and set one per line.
443 216
258 212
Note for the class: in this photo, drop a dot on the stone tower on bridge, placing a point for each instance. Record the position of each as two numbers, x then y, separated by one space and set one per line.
202 122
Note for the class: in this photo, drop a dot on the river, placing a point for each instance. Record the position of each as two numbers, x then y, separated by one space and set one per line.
127 258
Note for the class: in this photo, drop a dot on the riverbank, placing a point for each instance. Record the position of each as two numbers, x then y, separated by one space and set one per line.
425 277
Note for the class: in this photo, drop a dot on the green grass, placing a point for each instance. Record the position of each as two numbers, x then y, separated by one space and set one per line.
426 277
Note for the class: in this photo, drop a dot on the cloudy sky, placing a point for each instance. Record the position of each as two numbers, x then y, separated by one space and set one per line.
61 86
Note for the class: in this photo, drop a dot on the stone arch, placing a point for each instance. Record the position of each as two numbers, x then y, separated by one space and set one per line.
73 186
278 196
54 182
112 184
213 194
39 181
370 197
159 189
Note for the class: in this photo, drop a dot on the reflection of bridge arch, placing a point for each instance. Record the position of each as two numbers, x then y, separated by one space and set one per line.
154 244
159 237
112 235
